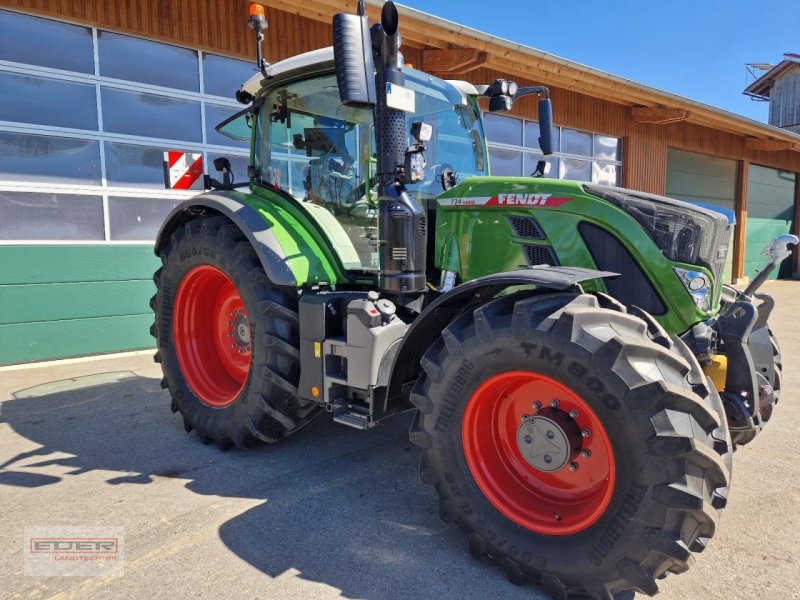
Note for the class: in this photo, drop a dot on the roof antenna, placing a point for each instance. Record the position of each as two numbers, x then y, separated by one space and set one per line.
361 9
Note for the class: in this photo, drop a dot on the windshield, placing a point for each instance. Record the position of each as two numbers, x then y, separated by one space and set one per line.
457 142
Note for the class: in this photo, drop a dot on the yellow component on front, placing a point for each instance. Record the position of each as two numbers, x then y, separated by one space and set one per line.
717 369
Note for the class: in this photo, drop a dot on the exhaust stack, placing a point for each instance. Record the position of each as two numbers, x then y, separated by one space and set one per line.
402 225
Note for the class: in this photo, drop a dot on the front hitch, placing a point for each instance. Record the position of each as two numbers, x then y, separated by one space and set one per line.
741 387
733 327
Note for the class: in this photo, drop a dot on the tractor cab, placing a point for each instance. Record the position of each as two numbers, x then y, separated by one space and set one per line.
311 146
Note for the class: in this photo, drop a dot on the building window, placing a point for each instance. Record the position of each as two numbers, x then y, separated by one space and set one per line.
85 120
45 101
505 162
223 76
49 159
137 218
503 130
45 43
143 61
50 216
150 115
514 151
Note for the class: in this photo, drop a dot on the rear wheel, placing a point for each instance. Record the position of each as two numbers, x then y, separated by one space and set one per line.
570 446
227 339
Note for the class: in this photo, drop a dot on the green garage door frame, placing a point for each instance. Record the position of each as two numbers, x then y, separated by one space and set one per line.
59 301
770 213
702 178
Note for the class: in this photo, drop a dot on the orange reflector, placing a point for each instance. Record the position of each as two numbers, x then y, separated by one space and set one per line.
315 392
257 10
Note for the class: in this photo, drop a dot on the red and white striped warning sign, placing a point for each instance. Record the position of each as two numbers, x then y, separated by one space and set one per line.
183 170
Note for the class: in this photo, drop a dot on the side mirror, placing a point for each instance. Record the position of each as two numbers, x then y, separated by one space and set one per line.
502 95
355 66
546 126
222 164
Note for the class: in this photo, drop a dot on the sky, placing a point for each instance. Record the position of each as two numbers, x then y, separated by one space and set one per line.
697 49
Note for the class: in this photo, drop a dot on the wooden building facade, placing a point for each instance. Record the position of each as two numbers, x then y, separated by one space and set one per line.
668 143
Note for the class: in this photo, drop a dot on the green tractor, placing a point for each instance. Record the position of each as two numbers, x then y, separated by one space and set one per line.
579 372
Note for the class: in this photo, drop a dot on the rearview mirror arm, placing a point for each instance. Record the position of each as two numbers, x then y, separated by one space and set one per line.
540 90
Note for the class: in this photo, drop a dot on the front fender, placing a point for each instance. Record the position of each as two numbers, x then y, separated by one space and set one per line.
428 326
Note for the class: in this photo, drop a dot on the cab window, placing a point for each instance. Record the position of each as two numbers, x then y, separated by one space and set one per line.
314 148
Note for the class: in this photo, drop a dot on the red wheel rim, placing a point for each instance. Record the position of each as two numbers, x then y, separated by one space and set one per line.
495 430
211 335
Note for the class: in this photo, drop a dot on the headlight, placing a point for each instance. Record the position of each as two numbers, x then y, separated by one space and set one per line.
698 286
683 232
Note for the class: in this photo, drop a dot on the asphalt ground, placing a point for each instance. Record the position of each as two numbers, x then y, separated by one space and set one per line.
328 513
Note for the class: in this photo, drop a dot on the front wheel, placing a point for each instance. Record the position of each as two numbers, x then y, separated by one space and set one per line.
571 447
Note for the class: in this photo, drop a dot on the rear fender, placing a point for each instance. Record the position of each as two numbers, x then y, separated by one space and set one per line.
281 237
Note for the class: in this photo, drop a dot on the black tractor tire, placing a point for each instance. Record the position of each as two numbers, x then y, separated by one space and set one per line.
266 408
664 421
769 368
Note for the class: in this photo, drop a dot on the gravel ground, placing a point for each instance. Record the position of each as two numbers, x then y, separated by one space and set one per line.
329 513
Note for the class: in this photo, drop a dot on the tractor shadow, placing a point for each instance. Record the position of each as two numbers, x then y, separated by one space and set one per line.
340 507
